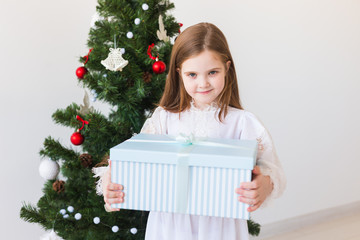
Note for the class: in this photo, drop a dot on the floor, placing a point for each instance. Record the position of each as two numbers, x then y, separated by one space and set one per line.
344 228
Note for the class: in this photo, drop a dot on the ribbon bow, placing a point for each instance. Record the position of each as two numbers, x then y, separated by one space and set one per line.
81 120
185 139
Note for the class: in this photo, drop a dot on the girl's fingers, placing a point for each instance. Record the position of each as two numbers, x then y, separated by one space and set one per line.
114 186
253 207
247 193
109 208
114 200
114 194
250 201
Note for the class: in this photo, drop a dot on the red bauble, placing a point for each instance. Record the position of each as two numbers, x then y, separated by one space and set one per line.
159 67
77 138
80 72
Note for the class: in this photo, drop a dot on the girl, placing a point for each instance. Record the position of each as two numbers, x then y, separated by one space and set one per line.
201 98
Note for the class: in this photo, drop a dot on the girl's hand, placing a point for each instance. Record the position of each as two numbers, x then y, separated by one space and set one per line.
255 192
112 192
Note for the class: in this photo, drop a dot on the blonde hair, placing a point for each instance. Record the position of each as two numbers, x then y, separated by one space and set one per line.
191 42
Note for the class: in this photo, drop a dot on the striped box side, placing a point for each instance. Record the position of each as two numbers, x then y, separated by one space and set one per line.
151 187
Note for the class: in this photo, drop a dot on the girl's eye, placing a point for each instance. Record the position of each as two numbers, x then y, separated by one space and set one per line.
212 72
192 75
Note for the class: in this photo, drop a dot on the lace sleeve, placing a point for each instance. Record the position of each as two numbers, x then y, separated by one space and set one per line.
148 127
267 159
269 165
99 172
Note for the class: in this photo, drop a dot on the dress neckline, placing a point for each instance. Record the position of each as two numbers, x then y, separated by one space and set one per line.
209 108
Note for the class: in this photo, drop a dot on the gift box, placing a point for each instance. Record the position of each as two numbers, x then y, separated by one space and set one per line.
191 176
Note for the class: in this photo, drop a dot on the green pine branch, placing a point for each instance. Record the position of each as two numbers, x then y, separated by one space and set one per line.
254 228
54 150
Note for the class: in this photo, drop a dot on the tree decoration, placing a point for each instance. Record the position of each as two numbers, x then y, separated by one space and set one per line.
115 61
161 33
85 109
147 77
159 66
76 137
81 71
96 220
129 35
70 209
145 7
86 160
49 169
180 25
133 230
137 21
94 95
77 216
59 186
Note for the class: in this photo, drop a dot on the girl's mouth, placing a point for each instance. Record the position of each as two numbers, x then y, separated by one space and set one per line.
205 92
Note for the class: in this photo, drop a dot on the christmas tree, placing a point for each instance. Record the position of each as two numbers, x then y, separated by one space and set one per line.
129 46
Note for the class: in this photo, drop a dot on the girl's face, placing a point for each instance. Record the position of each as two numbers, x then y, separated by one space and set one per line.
204 77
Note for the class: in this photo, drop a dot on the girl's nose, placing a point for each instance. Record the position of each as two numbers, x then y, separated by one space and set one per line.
203 82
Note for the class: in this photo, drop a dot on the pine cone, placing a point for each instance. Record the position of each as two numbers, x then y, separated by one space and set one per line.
86 160
147 77
59 186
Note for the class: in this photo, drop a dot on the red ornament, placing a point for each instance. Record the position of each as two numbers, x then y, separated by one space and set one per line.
159 67
80 72
77 138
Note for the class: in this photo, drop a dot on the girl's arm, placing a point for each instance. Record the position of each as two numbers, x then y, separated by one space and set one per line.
268 176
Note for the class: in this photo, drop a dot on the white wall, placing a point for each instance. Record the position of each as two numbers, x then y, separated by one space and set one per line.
298 66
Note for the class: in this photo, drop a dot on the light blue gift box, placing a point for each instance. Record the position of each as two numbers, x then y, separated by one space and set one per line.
160 174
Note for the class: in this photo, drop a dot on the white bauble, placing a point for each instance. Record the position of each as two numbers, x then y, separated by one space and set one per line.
122 50
96 220
63 211
70 209
133 231
145 7
49 169
78 216
115 229
137 21
129 35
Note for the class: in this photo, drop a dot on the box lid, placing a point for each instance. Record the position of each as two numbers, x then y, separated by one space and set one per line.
224 153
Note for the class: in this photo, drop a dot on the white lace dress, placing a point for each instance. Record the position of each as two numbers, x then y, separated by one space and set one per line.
238 124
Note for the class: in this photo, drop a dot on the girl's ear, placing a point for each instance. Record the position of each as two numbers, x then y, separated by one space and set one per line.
178 70
228 64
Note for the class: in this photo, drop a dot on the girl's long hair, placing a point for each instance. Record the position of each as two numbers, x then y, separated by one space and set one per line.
191 42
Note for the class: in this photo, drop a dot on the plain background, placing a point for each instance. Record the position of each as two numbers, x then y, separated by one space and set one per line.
298 64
